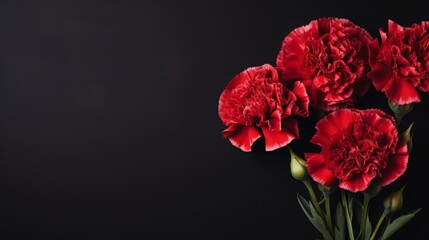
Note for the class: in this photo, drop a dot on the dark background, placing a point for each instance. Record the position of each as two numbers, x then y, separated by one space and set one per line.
109 125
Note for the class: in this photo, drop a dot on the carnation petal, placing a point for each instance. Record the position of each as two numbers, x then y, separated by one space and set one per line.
302 99
278 139
331 124
380 75
273 123
223 108
356 184
242 137
380 120
266 69
373 49
401 91
333 98
238 79
317 169
383 35
289 58
313 93
397 165
393 28
381 114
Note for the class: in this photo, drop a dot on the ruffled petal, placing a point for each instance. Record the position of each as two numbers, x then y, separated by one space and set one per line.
313 93
224 99
331 124
356 184
317 169
275 121
393 28
373 49
401 91
383 34
397 165
289 58
381 75
278 139
237 80
302 100
334 98
242 137
266 69
380 121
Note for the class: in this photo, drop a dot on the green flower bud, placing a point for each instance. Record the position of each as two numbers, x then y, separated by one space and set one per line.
394 201
297 166
400 110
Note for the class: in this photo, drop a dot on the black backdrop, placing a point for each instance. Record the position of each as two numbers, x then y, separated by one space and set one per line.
109 125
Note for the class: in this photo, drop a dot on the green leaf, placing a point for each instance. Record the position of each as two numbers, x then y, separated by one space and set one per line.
314 218
340 224
408 137
396 224
368 226
304 204
351 203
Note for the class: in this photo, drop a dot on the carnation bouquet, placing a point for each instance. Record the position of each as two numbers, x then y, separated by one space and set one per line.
323 69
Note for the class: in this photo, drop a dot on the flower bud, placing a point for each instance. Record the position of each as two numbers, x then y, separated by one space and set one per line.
297 166
401 109
394 201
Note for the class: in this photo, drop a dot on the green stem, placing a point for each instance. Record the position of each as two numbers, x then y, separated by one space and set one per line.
385 213
328 212
364 216
348 220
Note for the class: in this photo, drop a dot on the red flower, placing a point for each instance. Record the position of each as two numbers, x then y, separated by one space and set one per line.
358 147
400 65
329 56
255 103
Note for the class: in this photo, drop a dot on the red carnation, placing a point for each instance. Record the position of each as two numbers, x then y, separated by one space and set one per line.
358 147
255 104
329 56
400 65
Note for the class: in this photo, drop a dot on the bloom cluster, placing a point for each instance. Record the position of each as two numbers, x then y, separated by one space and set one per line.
324 68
